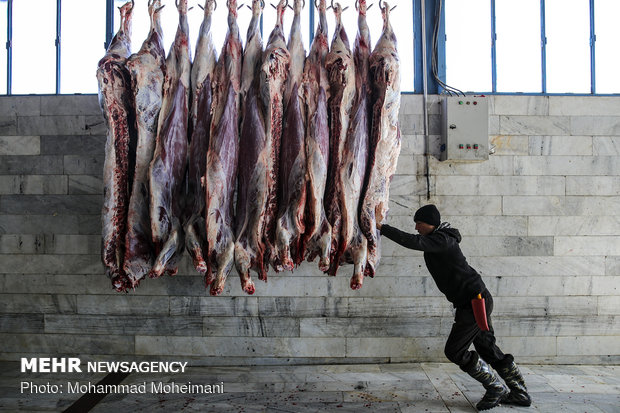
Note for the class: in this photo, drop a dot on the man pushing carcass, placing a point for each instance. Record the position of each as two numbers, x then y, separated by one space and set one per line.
464 288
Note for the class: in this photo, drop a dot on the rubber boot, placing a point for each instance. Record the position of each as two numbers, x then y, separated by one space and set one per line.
513 378
496 392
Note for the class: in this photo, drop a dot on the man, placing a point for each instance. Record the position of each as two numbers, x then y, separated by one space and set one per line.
461 283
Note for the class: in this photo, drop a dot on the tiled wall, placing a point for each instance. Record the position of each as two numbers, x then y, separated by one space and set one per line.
540 221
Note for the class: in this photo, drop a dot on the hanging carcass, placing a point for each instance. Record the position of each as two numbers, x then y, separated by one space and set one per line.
273 75
384 149
253 52
252 171
147 77
341 73
167 171
202 73
355 155
115 101
221 169
315 90
292 172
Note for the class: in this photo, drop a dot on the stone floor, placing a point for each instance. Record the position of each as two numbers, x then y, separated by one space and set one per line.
425 387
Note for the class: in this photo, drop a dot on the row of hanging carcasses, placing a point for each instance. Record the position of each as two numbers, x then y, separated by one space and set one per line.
263 157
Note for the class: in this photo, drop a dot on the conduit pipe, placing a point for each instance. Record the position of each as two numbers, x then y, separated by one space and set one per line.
425 102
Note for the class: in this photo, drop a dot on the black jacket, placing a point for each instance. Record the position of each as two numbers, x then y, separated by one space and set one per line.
444 260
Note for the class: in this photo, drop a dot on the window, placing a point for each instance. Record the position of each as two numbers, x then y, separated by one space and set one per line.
34 49
468 44
606 14
568 46
515 61
82 45
518 46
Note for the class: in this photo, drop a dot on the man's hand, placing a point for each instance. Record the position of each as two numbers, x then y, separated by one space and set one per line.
379 225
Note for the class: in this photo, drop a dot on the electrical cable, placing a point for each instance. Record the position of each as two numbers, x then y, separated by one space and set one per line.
447 88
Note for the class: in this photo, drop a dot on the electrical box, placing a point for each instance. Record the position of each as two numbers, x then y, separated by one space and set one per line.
464 128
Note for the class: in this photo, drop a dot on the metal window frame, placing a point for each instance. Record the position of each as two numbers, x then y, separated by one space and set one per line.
9 47
543 52
433 87
592 50
493 49
109 23
543 47
57 42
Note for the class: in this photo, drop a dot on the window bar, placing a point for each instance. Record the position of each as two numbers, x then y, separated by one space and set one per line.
109 23
413 33
543 46
311 16
592 50
425 52
441 45
493 49
58 14
9 47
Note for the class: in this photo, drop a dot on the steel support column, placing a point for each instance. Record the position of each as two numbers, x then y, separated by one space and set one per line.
431 7
592 50
58 25
9 47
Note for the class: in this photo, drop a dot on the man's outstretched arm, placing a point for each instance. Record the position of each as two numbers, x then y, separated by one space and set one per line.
431 243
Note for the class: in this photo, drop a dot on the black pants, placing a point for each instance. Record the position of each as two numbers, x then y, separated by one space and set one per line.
465 331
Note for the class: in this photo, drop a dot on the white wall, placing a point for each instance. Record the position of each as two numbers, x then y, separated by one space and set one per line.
540 221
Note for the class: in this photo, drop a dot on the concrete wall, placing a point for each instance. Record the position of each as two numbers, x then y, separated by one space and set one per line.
540 221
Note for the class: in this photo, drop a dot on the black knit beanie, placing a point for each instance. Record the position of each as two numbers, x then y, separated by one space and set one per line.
428 214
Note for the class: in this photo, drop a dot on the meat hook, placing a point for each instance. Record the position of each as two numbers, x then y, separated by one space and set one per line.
132 4
357 5
276 7
331 5
383 7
